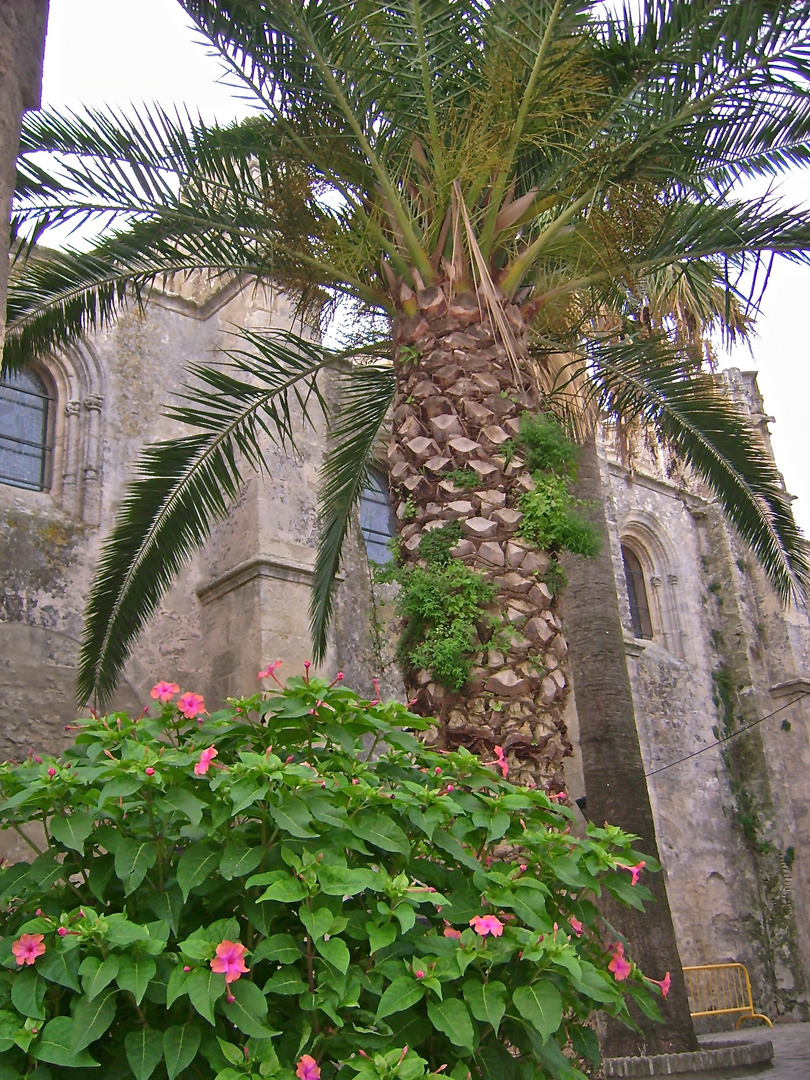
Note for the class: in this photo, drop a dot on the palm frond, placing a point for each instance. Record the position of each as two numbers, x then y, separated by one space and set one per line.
183 485
366 394
646 380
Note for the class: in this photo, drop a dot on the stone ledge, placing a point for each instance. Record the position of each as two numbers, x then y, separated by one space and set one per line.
268 566
734 1059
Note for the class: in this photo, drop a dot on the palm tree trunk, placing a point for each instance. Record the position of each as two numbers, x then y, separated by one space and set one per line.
615 785
458 399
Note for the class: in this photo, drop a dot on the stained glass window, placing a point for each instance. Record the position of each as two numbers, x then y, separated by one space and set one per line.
377 520
24 451
637 595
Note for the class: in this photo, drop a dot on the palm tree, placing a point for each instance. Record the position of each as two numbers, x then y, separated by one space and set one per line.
516 195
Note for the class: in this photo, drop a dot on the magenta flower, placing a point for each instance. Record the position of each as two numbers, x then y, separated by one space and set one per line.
270 672
204 764
487 924
28 947
576 926
230 960
190 705
618 964
149 770
634 870
500 757
664 983
307 1069
164 691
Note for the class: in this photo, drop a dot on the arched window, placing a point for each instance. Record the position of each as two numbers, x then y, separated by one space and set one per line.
637 595
24 430
377 521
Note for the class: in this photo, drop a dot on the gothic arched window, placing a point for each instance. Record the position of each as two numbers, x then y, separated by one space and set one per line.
377 521
24 430
637 594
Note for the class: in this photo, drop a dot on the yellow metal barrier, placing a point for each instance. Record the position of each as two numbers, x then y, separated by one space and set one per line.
721 988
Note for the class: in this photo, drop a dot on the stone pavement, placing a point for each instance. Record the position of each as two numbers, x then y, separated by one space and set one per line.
791 1050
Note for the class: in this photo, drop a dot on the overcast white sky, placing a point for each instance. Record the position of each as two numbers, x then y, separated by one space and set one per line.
112 52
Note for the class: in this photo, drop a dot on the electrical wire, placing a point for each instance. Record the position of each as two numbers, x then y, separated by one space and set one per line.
728 738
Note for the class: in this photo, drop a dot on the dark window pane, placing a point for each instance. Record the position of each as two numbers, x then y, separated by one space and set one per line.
637 595
377 520
23 430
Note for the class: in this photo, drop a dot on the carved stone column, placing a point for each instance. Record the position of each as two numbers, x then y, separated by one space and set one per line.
91 488
71 489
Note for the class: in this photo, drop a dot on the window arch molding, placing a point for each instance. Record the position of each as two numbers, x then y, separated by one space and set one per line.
76 384
640 534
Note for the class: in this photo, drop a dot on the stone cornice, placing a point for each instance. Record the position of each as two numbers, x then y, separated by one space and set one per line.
790 687
261 566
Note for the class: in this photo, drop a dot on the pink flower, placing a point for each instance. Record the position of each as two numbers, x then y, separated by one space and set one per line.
206 757
618 965
52 772
419 974
230 960
501 759
634 870
664 983
576 926
164 691
307 1069
28 947
450 931
62 931
487 924
270 672
149 770
190 705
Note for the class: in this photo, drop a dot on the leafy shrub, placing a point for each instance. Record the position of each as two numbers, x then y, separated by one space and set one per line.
555 578
551 520
545 445
465 478
260 893
440 604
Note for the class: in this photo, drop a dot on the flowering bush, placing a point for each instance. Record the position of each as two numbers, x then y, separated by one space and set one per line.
295 887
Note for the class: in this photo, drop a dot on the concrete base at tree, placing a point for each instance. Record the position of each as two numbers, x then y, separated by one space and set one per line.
714 1061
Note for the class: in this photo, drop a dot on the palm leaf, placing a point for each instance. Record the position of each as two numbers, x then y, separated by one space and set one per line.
366 394
647 380
185 484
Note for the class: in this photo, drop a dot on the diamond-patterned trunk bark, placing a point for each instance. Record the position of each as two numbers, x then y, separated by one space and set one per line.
457 401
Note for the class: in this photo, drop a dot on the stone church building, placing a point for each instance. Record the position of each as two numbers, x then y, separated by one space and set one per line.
709 648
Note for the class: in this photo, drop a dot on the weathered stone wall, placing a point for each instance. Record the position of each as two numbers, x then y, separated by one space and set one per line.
22 43
732 821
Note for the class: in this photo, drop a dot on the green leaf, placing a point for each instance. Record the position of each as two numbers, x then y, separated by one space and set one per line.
134 974
167 904
380 937
541 1005
96 974
487 1001
401 994
133 860
335 952
293 817
239 859
381 832
144 1050
286 982
195 865
180 1046
73 830
248 1009
632 895
317 923
92 1018
28 994
286 891
452 1018
177 985
343 881
55 1045
280 947
181 801
120 931
204 987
